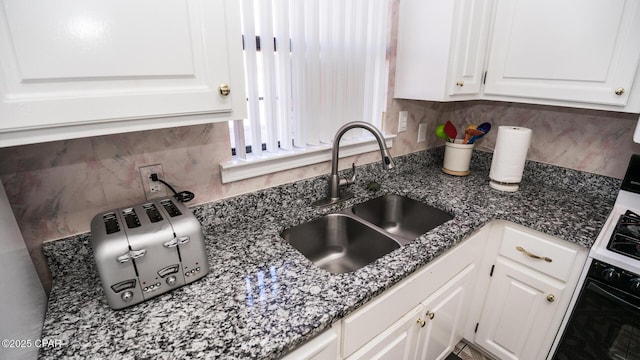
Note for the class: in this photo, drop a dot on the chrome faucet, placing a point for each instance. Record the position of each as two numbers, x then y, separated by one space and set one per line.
335 183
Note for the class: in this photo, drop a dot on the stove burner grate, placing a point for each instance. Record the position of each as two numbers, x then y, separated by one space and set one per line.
626 235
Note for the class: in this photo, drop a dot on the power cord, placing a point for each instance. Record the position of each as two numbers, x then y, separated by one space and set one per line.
183 196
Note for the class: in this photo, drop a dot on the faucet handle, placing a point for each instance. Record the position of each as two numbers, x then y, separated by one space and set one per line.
347 182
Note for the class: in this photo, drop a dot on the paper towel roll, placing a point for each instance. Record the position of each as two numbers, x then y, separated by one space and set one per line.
509 156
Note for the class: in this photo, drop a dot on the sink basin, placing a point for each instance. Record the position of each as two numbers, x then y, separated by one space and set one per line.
346 241
404 218
339 243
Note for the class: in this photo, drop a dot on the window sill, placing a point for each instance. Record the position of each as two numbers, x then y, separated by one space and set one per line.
267 163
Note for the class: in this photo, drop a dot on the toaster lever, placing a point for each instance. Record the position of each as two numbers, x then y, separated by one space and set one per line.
132 254
171 243
177 241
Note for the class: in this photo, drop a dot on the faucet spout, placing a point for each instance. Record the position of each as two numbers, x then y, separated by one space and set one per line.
334 180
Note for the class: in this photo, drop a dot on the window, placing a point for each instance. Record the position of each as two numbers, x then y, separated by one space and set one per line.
326 65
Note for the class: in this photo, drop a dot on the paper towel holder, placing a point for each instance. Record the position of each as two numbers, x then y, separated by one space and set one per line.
509 158
504 186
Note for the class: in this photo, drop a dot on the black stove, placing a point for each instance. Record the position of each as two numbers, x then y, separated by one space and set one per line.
605 317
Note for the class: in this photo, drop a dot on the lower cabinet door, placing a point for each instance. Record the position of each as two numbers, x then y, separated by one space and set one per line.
322 347
445 313
398 342
520 309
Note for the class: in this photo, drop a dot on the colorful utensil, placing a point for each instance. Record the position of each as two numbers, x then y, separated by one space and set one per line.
485 128
440 133
450 130
470 131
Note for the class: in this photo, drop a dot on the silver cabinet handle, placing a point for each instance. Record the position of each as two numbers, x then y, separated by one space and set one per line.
534 256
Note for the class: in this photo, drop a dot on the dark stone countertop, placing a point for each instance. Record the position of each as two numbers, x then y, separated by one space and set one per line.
262 298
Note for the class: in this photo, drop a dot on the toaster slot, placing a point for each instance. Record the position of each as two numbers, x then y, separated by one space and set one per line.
111 224
171 269
124 285
187 239
171 208
152 212
131 218
109 242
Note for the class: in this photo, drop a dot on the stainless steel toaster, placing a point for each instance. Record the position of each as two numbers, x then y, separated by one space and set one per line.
145 250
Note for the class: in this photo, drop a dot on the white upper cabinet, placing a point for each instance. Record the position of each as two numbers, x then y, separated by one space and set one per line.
441 49
576 53
575 50
78 68
469 40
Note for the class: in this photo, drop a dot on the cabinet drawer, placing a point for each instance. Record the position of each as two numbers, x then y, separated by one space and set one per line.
522 245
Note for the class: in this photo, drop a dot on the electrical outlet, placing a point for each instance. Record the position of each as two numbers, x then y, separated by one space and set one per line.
402 121
422 132
154 186
152 189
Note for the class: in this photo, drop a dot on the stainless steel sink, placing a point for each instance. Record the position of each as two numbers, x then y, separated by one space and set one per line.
339 243
355 237
402 217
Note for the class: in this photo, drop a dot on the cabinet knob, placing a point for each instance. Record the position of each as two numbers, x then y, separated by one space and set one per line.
619 91
460 83
551 298
431 315
421 322
224 89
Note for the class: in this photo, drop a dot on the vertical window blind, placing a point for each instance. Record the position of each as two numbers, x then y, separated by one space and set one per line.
311 66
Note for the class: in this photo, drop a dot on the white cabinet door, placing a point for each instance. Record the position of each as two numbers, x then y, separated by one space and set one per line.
368 322
441 48
445 314
472 18
518 312
398 342
431 330
584 51
322 347
77 62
